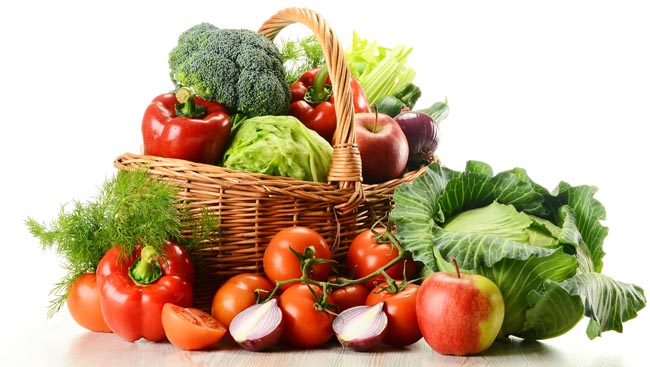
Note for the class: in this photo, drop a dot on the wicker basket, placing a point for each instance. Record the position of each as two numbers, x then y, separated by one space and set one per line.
253 207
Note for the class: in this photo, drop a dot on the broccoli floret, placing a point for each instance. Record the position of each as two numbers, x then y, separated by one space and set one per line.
236 67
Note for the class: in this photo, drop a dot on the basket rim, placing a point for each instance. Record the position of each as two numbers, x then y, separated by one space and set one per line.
264 184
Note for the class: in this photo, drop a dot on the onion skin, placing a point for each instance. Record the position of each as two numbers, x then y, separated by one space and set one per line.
422 134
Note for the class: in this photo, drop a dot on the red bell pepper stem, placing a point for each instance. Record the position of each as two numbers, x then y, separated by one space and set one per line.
312 101
146 269
319 91
187 106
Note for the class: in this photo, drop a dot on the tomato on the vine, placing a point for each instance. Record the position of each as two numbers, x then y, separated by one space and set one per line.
349 295
306 323
281 263
83 304
402 328
368 253
238 293
190 328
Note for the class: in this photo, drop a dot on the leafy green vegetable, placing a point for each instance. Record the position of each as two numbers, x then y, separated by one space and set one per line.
380 70
300 55
438 110
130 209
279 146
543 249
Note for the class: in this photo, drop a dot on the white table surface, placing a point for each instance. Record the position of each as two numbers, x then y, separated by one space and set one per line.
60 342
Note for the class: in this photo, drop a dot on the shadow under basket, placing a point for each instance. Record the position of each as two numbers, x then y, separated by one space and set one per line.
253 207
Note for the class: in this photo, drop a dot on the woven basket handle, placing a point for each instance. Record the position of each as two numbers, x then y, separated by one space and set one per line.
346 161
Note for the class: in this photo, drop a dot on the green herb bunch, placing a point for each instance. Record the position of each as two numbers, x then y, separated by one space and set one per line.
300 55
132 208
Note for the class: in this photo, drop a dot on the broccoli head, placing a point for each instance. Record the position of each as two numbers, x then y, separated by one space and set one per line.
236 67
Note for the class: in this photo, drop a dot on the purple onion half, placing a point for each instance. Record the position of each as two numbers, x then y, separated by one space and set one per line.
421 132
258 327
361 328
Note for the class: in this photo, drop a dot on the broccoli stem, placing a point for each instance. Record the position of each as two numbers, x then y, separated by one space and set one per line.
319 91
187 106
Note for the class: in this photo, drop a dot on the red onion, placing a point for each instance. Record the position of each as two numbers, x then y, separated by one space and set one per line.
421 132
258 327
361 328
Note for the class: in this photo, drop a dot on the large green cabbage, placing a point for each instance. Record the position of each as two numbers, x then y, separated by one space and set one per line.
279 146
543 249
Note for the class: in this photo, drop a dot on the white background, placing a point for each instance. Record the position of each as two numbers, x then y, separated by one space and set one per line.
561 88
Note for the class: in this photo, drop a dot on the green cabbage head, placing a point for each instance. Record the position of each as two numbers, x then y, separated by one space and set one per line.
543 249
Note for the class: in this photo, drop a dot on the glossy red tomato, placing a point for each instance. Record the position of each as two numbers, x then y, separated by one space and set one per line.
190 328
367 254
402 328
348 296
83 304
236 294
305 325
280 263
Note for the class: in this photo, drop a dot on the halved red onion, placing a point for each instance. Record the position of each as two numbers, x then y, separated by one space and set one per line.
361 328
258 327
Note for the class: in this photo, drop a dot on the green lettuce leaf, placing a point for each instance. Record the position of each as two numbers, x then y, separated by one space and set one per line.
279 146
543 249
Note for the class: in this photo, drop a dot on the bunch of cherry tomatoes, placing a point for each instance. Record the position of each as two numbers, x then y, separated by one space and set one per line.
299 272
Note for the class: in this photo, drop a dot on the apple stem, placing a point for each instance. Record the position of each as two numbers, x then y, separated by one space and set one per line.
453 260
374 129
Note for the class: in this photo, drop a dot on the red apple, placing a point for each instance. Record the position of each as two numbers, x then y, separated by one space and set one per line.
459 313
382 145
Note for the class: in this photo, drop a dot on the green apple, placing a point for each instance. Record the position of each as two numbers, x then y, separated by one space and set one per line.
459 313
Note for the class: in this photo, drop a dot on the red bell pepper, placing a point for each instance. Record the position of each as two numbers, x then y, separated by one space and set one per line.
134 287
182 125
312 101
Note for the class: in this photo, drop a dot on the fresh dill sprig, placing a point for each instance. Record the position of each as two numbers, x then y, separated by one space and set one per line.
131 209
300 55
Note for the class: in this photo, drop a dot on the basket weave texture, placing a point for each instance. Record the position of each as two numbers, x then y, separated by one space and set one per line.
253 207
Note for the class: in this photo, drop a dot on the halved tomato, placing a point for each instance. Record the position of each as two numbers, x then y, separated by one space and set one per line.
190 328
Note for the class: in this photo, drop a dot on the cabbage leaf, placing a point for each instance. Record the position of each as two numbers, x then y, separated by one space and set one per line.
543 249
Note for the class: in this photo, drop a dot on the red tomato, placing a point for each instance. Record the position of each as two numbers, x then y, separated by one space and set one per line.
366 255
402 326
348 296
236 294
280 263
83 304
304 325
190 328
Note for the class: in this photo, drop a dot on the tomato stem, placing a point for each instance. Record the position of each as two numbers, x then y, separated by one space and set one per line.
341 282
